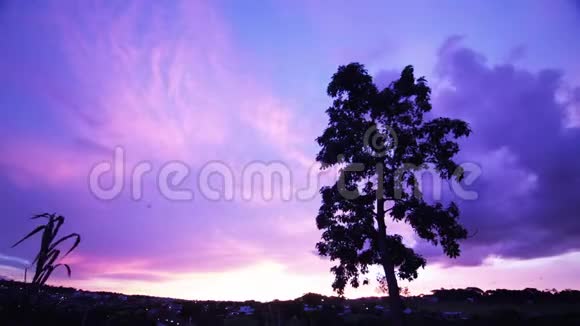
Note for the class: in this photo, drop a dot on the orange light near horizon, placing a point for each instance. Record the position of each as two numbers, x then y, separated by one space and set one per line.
268 280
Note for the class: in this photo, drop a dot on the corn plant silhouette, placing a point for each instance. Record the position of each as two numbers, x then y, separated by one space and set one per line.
49 253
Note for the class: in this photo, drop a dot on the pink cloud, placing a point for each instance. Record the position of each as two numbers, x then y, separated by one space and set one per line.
31 162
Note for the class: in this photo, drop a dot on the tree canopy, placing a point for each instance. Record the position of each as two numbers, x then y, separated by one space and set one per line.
381 139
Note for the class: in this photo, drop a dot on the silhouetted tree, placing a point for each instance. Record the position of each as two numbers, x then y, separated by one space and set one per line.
48 253
380 139
312 299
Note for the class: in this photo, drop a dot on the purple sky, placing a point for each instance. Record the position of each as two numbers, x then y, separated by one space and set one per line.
238 83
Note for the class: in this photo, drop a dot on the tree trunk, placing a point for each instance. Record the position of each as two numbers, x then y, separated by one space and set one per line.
395 302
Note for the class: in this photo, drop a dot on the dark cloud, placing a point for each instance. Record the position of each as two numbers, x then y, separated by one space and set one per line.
529 191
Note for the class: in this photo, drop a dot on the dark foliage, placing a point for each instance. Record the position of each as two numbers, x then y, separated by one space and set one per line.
380 138
49 253
66 306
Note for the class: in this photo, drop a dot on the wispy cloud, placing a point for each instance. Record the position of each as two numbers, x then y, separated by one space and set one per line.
14 259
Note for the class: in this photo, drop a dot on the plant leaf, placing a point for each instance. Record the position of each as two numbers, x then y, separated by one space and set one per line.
60 222
38 229
46 274
35 259
46 215
52 257
68 270
76 243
